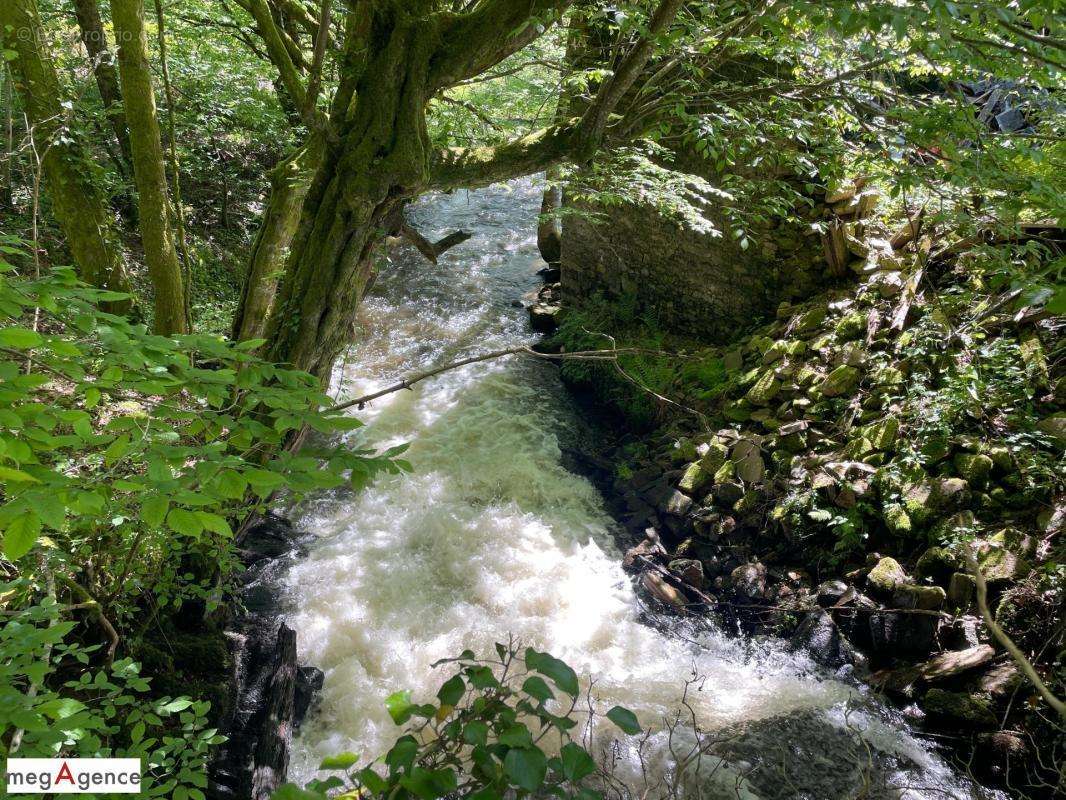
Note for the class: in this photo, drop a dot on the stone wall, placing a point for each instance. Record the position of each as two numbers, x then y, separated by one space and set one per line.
692 282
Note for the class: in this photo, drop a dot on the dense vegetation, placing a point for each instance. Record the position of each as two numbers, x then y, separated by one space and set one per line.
195 196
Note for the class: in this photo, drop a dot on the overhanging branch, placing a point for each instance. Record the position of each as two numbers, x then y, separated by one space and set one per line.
474 41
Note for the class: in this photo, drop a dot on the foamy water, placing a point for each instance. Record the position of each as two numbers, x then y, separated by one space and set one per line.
492 536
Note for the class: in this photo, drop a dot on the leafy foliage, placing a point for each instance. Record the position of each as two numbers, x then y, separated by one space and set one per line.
100 713
498 728
125 453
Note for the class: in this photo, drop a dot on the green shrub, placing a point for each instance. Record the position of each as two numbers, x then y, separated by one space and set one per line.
488 735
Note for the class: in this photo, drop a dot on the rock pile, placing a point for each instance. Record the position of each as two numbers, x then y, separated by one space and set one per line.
850 423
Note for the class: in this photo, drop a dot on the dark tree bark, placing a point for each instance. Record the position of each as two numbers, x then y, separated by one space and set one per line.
271 760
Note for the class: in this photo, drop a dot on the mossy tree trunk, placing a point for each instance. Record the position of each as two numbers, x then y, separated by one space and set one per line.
94 37
77 203
289 184
149 169
396 56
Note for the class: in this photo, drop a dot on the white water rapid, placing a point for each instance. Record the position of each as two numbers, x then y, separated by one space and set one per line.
492 535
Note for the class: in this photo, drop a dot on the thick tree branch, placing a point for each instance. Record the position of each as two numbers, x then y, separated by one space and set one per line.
480 166
477 40
612 90
473 167
276 49
314 83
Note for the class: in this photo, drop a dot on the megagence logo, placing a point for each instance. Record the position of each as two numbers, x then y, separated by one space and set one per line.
72 776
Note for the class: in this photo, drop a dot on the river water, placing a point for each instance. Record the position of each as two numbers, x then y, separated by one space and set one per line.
491 535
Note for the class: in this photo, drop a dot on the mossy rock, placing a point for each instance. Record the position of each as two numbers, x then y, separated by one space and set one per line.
775 352
937 564
694 479
958 708
683 450
851 326
1055 427
751 468
764 390
811 319
974 467
926 598
935 449
759 344
897 519
955 527
886 575
841 380
716 455
737 411
724 473
882 435
1001 561
925 499
805 377
887 376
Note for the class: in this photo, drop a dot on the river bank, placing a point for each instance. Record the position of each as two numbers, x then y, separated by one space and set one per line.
822 475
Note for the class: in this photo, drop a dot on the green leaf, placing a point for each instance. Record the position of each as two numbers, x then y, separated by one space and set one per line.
340 761
214 523
624 719
399 706
429 784
577 763
154 510
452 691
185 522
476 732
536 687
516 736
20 338
231 484
263 482
560 673
21 534
526 767
371 780
16 476
116 450
402 754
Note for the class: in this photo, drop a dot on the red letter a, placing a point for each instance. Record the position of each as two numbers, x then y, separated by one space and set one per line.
64 774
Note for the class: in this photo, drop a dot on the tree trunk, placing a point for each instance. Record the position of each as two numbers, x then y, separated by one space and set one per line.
381 160
149 171
289 184
94 38
78 205
7 189
549 228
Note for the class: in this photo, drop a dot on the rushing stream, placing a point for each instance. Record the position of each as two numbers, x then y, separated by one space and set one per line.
492 535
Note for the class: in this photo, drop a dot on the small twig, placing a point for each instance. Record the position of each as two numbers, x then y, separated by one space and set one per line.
526 350
97 613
